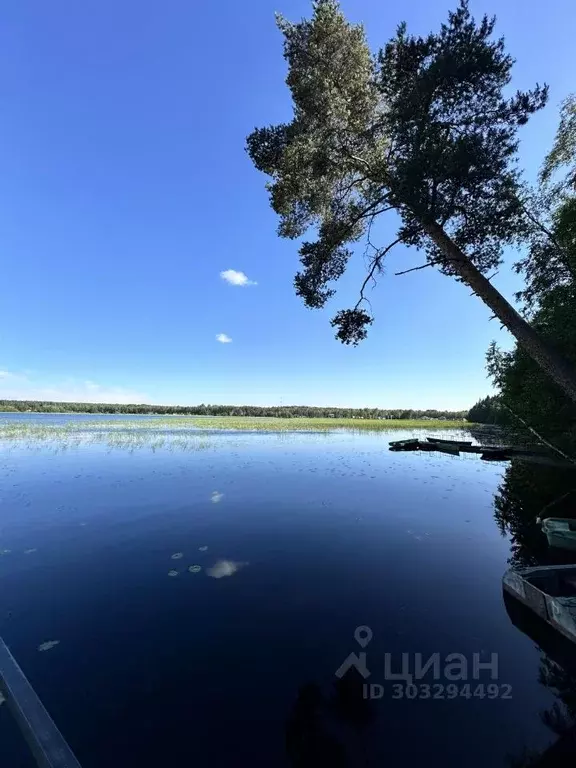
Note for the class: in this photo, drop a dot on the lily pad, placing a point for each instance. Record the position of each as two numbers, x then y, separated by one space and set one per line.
48 645
172 573
202 549
177 555
195 568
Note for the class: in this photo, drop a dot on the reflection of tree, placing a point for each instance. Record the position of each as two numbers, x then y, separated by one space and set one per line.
525 493
557 673
561 681
560 718
317 727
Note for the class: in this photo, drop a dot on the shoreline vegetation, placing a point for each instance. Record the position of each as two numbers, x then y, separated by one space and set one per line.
277 411
197 428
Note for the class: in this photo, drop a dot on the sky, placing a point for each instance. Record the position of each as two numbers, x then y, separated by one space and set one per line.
140 260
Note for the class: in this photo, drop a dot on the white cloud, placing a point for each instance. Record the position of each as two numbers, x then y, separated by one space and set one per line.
234 277
223 339
18 386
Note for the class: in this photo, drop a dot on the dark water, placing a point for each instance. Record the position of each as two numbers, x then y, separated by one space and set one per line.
334 531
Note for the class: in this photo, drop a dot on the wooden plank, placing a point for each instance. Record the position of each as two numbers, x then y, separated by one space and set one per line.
43 737
449 442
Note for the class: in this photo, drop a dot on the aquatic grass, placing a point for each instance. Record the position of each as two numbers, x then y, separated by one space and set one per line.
193 433
297 424
132 437
9 428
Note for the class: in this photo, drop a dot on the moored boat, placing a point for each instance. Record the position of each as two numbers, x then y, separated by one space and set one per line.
560 532
549 591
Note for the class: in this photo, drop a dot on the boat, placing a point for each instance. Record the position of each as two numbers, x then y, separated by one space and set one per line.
449 442
560 532
44 740
549 591
486 452
554 644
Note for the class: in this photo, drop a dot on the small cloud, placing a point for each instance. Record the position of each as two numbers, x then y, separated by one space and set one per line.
234 277
216 497
223 338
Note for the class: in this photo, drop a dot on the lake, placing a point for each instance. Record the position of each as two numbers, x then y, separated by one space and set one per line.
299 540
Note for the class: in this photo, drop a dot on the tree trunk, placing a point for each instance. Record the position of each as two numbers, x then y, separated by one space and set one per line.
540 350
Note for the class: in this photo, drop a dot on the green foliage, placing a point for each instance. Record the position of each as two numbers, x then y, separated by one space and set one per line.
423 128
550 260
486 411
549 268
525 388
282 411
550 272
563 153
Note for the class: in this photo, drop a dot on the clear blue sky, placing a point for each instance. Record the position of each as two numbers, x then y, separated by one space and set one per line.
125 191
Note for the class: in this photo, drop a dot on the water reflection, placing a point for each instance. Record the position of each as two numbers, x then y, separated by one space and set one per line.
326 521
327 728
528 492
557 672
47 646
223 568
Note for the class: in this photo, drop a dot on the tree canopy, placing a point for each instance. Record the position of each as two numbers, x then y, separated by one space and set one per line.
563 153
485 411
423 128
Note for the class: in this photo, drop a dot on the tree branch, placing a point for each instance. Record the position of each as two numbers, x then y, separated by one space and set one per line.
538 435
543 228
349 188
422 266
376 264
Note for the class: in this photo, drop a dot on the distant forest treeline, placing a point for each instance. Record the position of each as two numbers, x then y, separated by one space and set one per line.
281 411
487 411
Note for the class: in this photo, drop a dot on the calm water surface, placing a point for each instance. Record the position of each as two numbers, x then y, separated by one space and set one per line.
333 532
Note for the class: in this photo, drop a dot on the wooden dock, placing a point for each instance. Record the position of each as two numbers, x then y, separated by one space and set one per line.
486 452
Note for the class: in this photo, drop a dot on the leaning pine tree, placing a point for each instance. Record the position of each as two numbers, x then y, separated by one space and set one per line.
423 129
